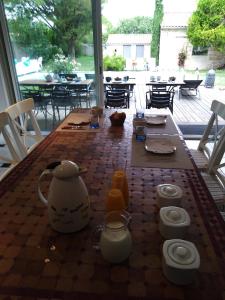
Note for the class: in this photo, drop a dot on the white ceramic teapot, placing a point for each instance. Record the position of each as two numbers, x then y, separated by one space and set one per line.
68 200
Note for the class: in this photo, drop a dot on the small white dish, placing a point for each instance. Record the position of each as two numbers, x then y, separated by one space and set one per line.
174 222
159 146
181 260
155 120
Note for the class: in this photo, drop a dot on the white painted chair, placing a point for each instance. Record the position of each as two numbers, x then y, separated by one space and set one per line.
21 113
209 157
11 152
211 146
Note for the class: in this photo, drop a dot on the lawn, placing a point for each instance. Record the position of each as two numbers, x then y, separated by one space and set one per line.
220 76
86 63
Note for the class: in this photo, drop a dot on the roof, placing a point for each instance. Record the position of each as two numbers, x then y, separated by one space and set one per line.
128 39
175 20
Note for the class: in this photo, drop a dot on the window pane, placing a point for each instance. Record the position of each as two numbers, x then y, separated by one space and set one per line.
140 51
47 59
127 51
200 50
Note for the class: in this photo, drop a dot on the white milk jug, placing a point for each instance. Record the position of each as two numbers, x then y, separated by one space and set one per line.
115 241
68 200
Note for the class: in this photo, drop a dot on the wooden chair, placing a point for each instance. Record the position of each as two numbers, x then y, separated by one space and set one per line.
212 144
11 153
117 98
209 155
25 122
160 99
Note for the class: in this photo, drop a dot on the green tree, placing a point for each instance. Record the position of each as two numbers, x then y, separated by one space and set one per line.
207 24
134 25
32 37
157 19
68 22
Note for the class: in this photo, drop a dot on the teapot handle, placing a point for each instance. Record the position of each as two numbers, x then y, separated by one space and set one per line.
41 196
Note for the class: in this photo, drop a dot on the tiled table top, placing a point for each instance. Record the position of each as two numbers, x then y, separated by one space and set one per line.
37 262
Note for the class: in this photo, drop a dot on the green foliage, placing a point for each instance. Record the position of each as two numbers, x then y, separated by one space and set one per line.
107 28
60 64
68 21
207 24
32 37
157 19
134 25
114 63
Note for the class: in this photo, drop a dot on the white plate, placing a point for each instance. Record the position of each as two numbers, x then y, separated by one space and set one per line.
159 146
155 120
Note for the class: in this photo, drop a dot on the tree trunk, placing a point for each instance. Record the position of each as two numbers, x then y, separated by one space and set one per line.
71 49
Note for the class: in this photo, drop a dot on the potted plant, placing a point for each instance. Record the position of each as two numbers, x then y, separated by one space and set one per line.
181 58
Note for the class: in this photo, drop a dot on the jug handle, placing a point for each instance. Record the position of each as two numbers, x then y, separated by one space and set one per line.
41 196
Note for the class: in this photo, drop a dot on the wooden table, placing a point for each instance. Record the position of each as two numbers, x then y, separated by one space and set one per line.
39 263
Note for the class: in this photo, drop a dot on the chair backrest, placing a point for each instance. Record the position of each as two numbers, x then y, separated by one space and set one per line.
21 113
212 142
12 140
192 84
90 76
117 98
160 99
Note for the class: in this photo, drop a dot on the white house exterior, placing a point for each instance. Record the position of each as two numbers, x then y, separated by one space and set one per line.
173 39
135 48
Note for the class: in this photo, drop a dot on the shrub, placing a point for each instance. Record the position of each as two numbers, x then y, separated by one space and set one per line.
114 63
60 64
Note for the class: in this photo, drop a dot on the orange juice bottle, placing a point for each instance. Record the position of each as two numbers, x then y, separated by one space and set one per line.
115 200
119 181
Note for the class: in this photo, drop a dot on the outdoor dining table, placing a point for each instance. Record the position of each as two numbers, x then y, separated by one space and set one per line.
54 83
38 262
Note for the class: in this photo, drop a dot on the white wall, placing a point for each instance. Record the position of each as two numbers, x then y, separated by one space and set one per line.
171 43
140 61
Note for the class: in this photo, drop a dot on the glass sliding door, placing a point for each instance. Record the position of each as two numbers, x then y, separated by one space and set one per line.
54 49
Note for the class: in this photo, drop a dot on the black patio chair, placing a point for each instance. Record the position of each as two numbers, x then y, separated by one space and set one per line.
160 99
191 88
117 98
61 99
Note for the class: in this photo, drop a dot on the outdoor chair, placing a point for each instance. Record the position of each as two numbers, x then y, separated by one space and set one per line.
80 93
90 76
42 98
209 157
26 124
117 98
123 87
61 100
160 99
191 88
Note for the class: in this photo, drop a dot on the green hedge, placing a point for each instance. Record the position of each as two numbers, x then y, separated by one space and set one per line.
114 63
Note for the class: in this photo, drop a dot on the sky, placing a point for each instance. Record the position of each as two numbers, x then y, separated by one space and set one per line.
115 10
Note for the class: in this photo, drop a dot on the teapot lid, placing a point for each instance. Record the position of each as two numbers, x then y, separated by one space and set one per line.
176 216
181 254
169 190
66 169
